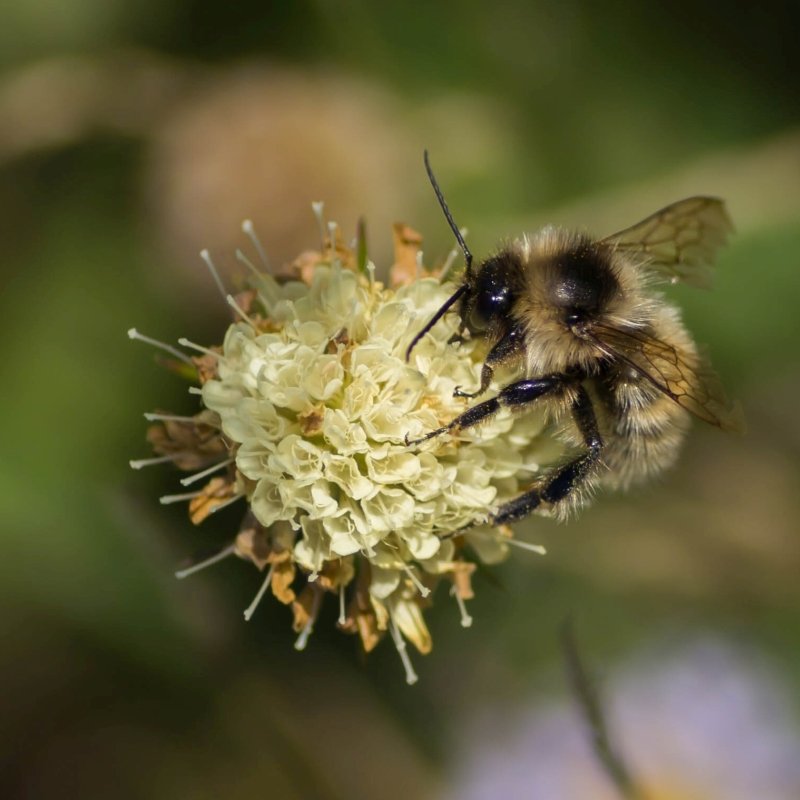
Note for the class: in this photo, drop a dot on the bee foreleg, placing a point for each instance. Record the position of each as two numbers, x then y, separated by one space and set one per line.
514 395
511 345
564 479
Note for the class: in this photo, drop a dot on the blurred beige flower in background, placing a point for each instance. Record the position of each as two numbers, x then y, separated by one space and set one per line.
255 140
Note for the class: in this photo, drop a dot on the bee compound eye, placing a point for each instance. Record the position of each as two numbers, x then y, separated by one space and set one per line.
491 302
493 295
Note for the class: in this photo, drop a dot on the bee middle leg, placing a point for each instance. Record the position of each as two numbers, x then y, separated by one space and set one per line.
515 395
564 479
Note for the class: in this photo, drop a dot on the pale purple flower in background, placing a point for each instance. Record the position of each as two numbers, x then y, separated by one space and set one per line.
708 721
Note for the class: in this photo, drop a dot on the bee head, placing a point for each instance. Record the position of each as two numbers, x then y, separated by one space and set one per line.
490 293
486 294
463 291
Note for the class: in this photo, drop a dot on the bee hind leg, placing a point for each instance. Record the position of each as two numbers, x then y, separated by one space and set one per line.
564 479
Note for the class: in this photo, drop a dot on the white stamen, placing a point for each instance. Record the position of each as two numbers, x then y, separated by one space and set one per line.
530 547
228 502
231 301
399 643
332 228
318 207
533 548
451 256
368 550
195 390
312 576
134 334
466 619
184 342
199 475
223 554
421 588
149 462
250 610
241 257
153 417
419 263
342 614
448 262
308 628
250 232
206 256
167 499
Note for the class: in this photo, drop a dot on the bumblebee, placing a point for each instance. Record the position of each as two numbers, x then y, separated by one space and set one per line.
604 352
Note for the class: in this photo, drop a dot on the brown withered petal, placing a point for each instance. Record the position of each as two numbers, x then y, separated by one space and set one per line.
191 445
505 531
340 338
336 573
407 244
301 269
361 617
283 576
363 621
311 420
462 579
206 366
339 251
253 544
367 628
245 301
217 492
301 608
407 614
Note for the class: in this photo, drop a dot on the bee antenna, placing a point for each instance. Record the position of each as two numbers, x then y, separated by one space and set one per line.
436 317
448 216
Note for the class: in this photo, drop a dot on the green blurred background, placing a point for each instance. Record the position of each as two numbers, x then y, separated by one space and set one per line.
132 135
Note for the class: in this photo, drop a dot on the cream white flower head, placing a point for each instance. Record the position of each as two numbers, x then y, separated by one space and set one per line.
307 406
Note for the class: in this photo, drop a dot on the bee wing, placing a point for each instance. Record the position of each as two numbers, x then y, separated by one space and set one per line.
682 375
679 242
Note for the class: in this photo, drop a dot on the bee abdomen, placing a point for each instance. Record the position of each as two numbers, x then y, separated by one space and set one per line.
648 430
